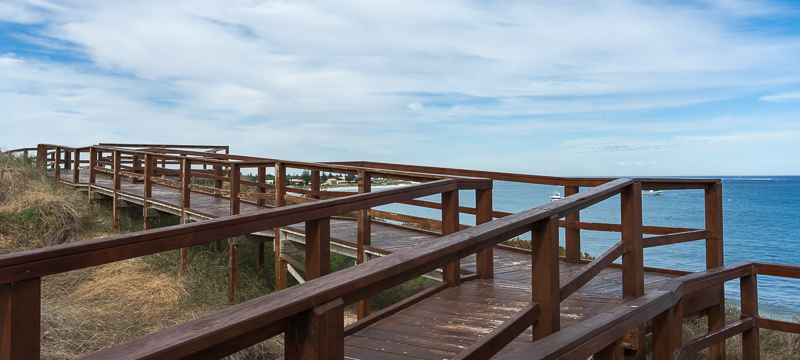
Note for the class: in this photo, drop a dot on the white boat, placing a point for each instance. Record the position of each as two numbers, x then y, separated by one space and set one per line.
556 196
653 192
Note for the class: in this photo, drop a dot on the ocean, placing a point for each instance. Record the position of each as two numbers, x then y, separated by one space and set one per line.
761 217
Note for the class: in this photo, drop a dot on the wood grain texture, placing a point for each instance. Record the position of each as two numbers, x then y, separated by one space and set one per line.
715 258
545 279
20 309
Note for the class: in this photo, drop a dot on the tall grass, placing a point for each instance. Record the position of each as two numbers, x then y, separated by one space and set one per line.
773 344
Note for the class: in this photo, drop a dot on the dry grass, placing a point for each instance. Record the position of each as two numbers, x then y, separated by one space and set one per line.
37 212
775 345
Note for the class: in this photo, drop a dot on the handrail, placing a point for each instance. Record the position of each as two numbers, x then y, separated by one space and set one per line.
588 272
533 179
256 162
589 337
648 183
211 147
17 150
269 315
580 341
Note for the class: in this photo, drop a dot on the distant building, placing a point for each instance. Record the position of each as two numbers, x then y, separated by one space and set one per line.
331 181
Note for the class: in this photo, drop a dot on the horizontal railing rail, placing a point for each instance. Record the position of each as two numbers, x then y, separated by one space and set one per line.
664 308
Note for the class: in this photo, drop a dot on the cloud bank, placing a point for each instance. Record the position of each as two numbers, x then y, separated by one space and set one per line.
395 80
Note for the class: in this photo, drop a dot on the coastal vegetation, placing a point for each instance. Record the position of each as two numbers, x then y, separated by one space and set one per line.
526 244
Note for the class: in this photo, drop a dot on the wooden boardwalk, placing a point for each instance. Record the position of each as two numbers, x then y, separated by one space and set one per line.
493 301
442 325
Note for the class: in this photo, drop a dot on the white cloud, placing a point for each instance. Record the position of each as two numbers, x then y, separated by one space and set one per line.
782 97
415 106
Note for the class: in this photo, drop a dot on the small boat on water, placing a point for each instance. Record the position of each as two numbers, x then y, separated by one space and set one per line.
556 196
653 192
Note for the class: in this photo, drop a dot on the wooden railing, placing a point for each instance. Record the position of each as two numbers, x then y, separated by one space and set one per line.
21 273
666 309
311 314
632 233
542 222
185 167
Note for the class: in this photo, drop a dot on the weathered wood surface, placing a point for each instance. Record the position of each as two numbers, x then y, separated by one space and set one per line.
447 323
444 324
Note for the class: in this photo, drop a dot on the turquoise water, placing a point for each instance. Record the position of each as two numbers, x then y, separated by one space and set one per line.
761 220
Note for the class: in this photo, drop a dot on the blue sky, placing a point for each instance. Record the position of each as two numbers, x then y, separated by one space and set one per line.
572 88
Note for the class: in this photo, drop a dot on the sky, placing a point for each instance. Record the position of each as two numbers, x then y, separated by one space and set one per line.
563 88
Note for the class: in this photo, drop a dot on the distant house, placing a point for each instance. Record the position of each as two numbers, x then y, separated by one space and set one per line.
331 181
271 182
299 182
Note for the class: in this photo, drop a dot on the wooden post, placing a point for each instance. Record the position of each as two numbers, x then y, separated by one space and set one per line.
57 163
186 201
67 160
545 284
364 235
217 182
280 192
217 185
749 290
483 207
610 352
317 334
663 343
677 324
135 167
572 237
318 248
233 249
76 173
148 189
41 156
20 319
450 223
92 173
715 258
117 182
633 258
315 183
262 179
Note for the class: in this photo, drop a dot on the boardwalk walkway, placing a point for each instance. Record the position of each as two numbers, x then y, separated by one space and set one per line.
438 327
493 301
